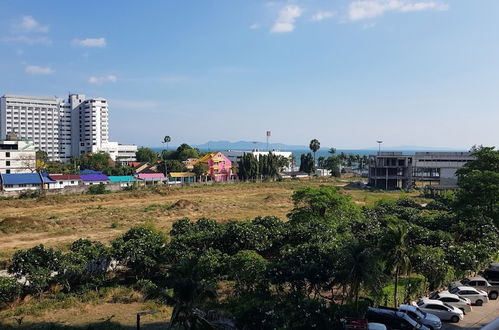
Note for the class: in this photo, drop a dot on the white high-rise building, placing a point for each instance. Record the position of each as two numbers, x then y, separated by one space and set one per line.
62 128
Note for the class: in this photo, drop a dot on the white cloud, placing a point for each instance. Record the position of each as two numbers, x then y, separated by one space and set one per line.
35 69
102 80
363 9
90 42
28 25
286 19
322 15
254 26
28 40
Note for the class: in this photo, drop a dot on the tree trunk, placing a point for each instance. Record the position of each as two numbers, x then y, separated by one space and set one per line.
395 293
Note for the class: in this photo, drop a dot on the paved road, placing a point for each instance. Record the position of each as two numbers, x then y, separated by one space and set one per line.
479 317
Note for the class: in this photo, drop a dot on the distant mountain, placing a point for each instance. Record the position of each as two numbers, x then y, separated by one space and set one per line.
247 145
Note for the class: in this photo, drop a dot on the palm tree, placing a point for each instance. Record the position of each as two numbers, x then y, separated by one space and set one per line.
359 268
166 140
395 246
292 160
188 294
314 146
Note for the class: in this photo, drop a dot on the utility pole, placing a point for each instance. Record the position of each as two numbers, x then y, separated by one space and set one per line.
269 133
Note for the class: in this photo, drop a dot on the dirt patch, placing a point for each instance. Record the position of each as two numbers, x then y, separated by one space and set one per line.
99 316
184 204
18 224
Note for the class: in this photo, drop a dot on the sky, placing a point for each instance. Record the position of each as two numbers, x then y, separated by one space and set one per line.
346 72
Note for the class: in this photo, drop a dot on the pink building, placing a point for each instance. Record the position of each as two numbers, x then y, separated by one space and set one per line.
219 166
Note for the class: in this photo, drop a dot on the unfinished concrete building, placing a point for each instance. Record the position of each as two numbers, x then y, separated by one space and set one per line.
394 170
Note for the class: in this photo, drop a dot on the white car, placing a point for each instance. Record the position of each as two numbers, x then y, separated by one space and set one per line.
376 326
430 320
463 304
441 309
477 297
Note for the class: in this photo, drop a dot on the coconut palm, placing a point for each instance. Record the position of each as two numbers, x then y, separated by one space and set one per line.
167 139
395 244
314 146
359 268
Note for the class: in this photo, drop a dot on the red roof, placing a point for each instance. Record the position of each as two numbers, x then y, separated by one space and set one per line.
62 177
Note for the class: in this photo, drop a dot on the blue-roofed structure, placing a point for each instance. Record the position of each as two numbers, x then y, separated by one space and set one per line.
21 181
123 180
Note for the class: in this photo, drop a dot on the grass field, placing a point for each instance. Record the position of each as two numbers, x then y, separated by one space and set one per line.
56 221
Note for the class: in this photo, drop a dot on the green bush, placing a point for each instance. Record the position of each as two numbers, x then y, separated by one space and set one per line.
9 290
26 194
99 189
147 288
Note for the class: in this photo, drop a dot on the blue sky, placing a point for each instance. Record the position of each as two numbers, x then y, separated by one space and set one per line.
347 72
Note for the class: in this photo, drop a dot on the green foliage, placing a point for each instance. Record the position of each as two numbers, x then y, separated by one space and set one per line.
36 265
325 202
98 189
247 270
172 165
140 249
98 161
10 289
478 182
430 262
265 167
307 163
146 155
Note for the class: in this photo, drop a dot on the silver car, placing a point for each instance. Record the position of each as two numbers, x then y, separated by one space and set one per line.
477 297
441 309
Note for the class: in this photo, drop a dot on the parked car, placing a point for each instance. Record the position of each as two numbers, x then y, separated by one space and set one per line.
477 297
432 321
492 273
393 319
441 309
481 283
463 304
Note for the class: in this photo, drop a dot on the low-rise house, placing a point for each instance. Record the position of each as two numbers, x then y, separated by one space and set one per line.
219 166
21 181
143 167
123 180
91 179
294 174
151 178
181 177
64 180
47 182
189 163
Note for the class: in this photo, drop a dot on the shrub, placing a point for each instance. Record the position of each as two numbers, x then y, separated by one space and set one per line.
98 189
147 288
25 194
9 290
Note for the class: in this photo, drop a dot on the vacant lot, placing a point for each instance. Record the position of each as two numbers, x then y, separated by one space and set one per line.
58 220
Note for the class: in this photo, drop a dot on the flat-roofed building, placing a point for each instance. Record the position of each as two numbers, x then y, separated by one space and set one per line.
17 156
62 128
394 170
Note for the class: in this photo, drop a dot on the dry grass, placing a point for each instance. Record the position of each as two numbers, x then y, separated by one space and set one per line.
58 220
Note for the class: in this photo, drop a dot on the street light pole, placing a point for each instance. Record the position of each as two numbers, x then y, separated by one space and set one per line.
379 145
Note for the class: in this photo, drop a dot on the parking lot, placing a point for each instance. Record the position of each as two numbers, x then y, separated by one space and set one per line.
479 317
